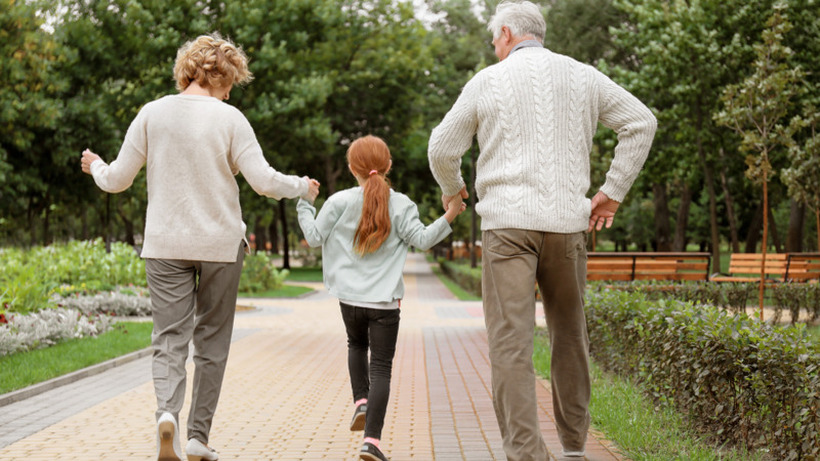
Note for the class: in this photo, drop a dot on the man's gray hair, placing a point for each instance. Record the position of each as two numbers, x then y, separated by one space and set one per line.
521 17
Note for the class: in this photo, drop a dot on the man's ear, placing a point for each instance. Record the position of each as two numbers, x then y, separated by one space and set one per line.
506 33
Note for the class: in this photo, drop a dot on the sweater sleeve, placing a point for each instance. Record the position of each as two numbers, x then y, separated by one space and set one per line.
317 228
120 174
451 139
635 125
412 231
247 157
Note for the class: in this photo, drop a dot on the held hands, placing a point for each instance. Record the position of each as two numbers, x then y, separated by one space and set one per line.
313 189
603 211
88 158
454 204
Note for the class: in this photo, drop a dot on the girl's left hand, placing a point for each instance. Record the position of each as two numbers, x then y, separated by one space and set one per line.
89 158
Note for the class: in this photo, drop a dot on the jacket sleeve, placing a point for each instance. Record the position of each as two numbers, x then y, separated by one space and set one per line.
413 232
317 227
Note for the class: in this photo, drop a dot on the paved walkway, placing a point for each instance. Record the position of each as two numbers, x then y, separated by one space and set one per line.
286 394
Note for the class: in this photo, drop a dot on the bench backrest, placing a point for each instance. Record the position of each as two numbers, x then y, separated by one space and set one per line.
647 266
804 266
749 263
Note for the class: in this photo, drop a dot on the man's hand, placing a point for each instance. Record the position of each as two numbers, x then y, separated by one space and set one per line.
445 199
603 211
88 158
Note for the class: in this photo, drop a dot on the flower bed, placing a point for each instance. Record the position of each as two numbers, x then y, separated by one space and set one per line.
23 332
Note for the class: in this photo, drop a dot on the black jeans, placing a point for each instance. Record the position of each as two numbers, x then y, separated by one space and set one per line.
376 330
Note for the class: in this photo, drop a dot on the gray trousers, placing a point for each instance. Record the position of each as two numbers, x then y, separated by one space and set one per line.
192 300
512 261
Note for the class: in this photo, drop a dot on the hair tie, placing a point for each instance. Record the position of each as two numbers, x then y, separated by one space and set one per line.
372 172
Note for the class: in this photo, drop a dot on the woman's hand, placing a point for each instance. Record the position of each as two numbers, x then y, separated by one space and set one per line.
313 189
88 158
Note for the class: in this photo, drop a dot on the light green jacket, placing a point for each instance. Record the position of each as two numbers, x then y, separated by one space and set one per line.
375 277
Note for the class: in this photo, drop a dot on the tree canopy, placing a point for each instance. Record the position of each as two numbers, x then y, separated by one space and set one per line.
326 72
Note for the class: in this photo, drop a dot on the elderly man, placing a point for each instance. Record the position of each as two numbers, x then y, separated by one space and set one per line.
535 113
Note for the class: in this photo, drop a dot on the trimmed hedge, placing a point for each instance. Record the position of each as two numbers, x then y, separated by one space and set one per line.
465 276
748 383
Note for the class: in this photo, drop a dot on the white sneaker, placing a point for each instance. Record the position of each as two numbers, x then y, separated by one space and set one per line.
197 451
572 454
168 448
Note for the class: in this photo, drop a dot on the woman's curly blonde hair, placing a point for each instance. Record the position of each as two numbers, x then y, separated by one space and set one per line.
211 61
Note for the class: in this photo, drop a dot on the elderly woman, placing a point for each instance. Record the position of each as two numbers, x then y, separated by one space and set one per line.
194 244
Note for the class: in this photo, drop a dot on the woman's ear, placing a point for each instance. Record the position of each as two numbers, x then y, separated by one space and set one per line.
389 165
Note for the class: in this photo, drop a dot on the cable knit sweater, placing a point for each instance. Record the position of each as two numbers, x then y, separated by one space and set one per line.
535 114
193 147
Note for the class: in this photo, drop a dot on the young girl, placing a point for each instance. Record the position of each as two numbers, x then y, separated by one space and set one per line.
365 233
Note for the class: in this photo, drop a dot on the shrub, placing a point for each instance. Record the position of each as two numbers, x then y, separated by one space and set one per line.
259 274
746 382
29 277
465 276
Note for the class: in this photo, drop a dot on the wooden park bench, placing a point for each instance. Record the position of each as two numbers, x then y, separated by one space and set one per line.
626 266
745 267
803 267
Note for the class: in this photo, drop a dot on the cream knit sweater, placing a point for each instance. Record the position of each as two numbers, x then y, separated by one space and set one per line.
535 114
193 147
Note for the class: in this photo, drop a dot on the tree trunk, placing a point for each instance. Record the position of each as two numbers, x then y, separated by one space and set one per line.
662 232
817 224
331 175
46 222
797 218
261 239
273 232
730 210
682 221
129 228
776 242
713 226
765 235
285 241
752 238
84 222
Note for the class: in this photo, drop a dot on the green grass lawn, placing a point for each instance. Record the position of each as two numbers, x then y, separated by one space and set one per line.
454 288
287 291
642 431
40 365
305 274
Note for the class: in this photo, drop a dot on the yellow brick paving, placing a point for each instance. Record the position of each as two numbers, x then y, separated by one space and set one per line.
286 394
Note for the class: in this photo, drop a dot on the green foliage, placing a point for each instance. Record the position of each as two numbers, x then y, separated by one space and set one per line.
746 382
260 274
642 430
31 276
465 276
755 108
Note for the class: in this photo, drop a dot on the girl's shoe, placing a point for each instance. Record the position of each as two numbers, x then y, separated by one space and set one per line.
167 439
357 423
573 454
371 452
198 451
